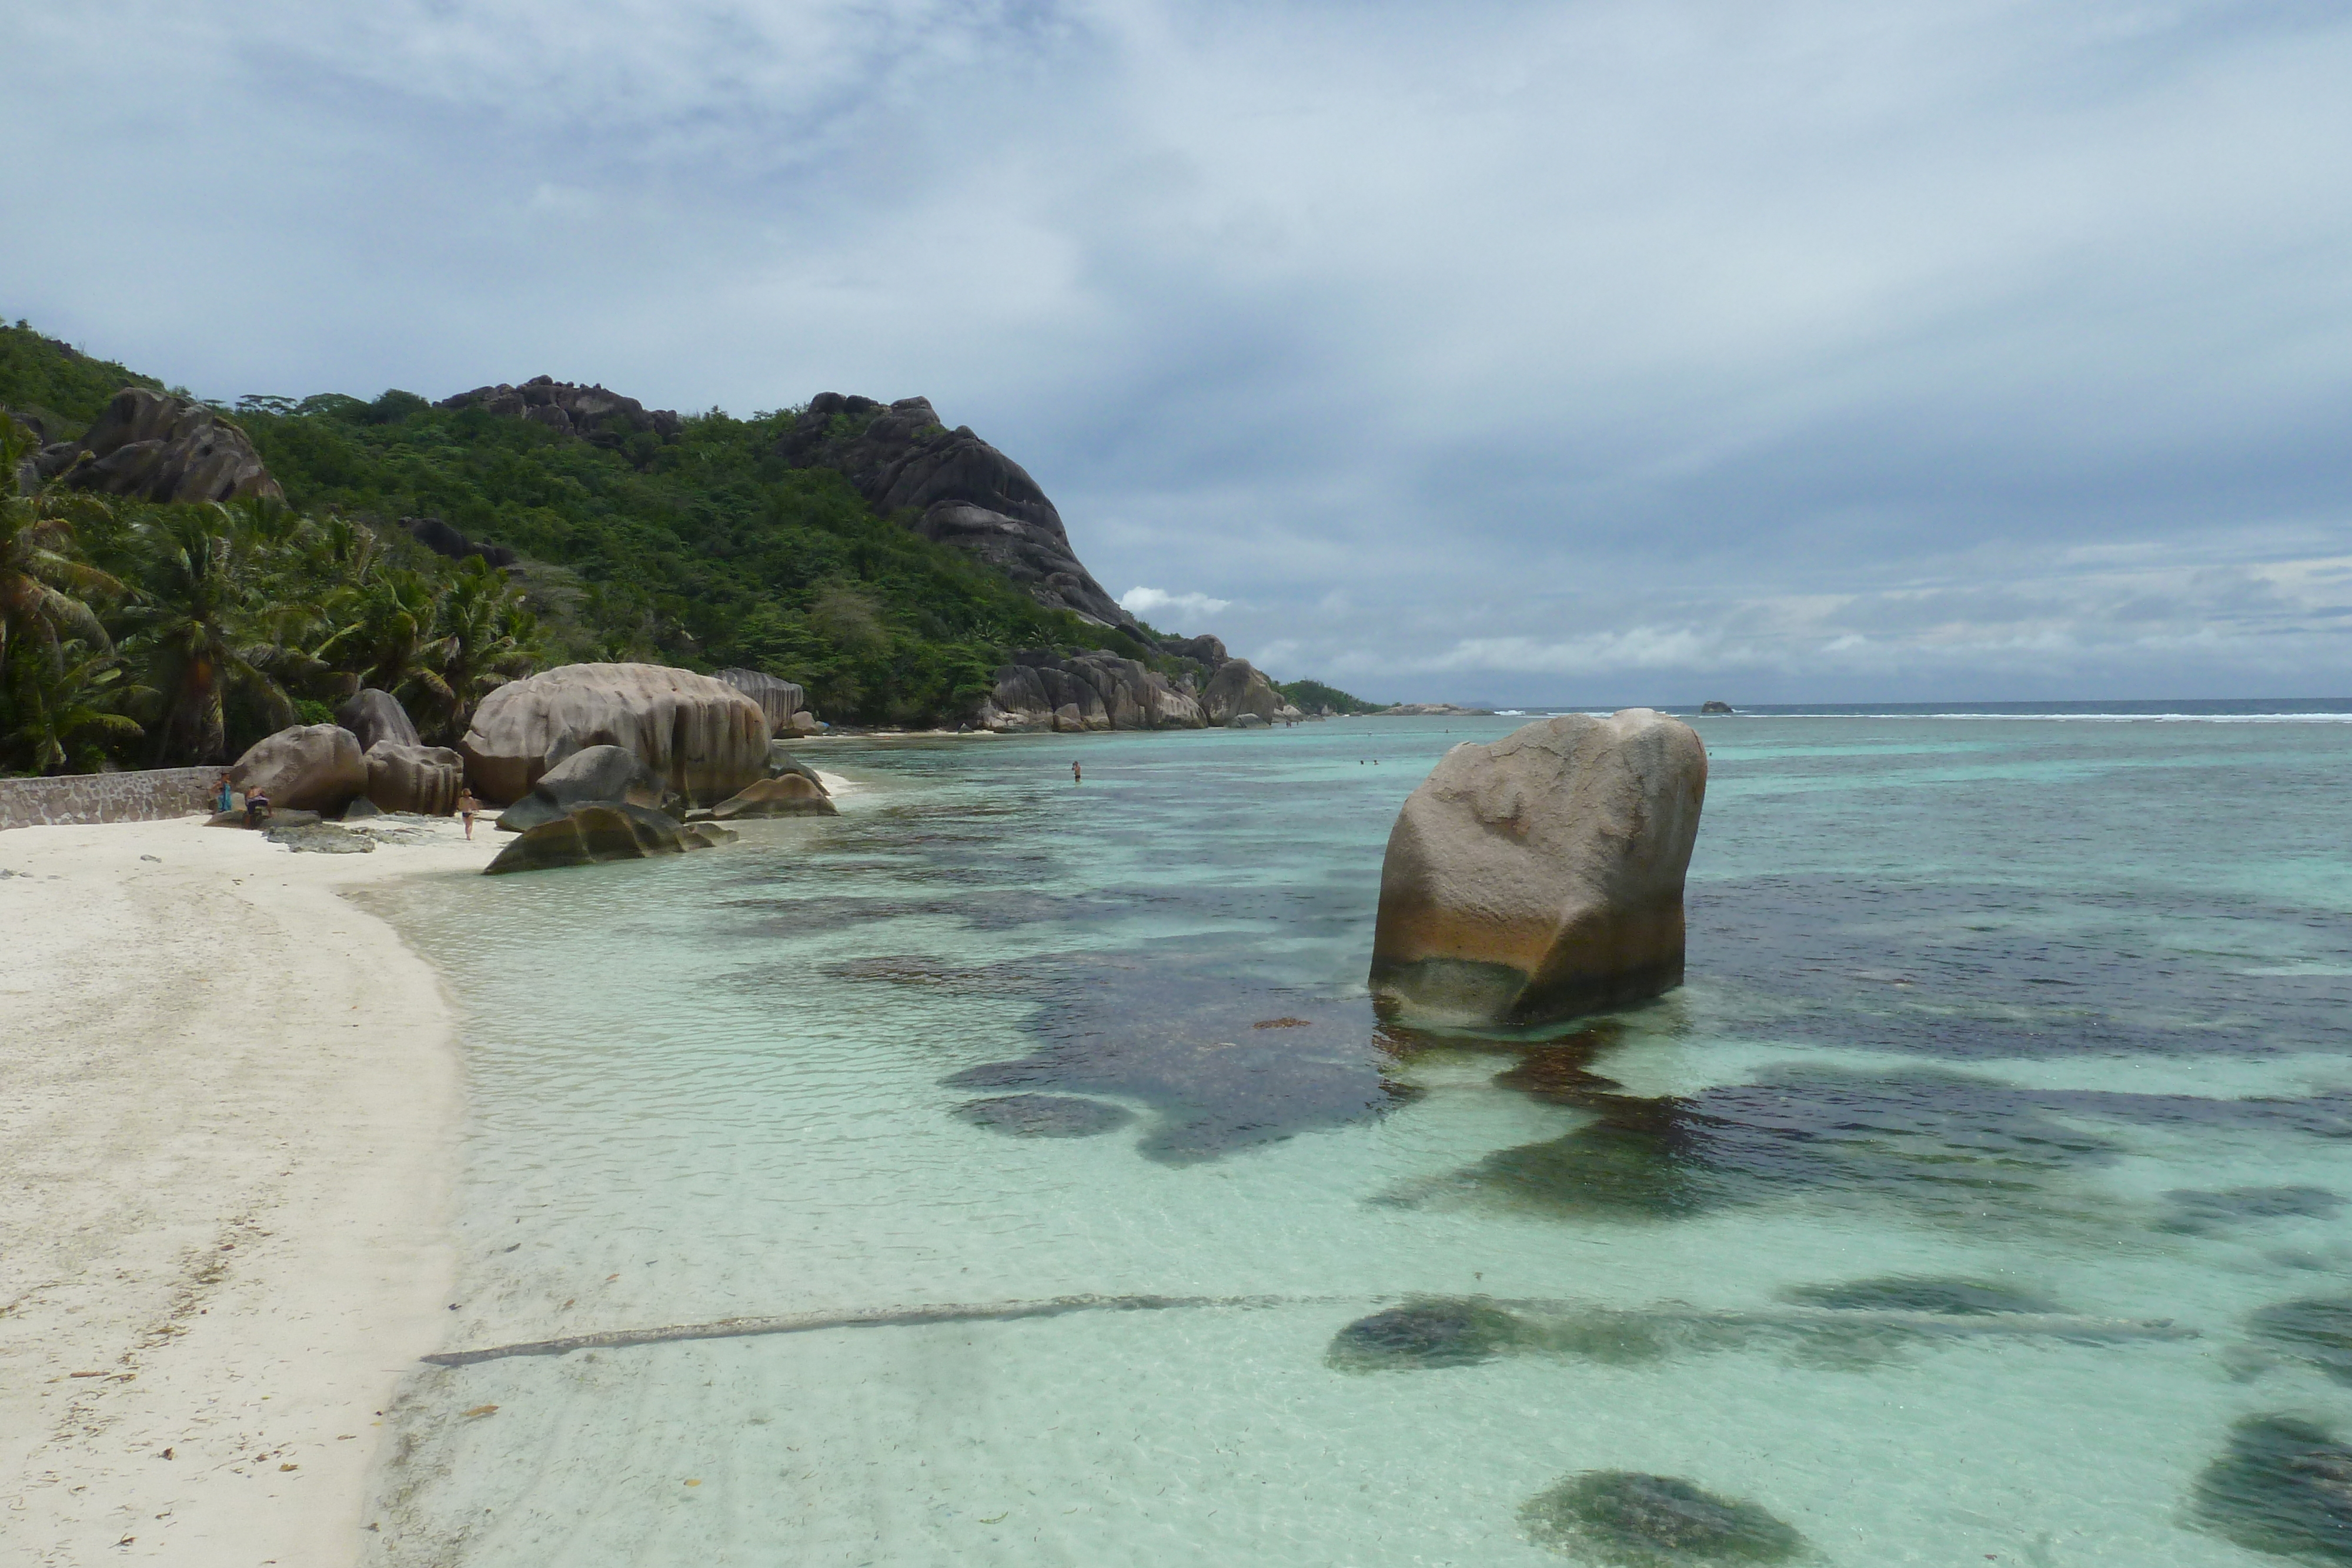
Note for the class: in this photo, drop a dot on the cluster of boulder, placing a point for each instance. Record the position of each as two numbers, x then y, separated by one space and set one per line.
590 413
151 446
954 487
1097 690
371 752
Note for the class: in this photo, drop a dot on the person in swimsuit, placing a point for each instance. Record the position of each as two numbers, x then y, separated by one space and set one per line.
257 808
466 807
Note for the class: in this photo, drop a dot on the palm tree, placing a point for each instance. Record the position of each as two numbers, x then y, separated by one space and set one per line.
60 705
489 635
195 617
387 637
43 585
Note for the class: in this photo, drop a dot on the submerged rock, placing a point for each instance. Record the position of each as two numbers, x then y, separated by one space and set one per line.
2285 1486
1630 1520
1904 1294
1044 1115
1541 876
1436 1332
2192 1212
592 834
2317 1330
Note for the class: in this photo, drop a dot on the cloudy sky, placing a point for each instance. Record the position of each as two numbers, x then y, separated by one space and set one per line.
1595 350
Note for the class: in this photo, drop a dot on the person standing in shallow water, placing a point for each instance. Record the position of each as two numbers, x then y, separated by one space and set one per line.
1076 777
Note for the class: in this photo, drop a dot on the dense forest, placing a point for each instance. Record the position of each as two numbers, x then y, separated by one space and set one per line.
139 635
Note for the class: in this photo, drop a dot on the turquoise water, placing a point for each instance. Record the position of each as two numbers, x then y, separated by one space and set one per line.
2053 1008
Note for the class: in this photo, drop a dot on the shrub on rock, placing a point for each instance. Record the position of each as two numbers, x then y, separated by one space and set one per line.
1541 876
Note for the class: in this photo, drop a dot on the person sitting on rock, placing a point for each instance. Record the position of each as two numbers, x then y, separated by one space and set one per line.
257 808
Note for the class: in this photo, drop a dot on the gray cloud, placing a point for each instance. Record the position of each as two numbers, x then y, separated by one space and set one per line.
1581 351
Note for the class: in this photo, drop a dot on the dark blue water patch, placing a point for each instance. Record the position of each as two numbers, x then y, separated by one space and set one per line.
2317 1330
1969 970
2284 1487
2193 1211
1181 1033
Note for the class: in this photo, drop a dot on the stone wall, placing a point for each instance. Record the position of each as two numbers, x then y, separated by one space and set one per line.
106 797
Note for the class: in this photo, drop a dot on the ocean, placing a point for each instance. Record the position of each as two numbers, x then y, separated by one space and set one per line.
1979 1197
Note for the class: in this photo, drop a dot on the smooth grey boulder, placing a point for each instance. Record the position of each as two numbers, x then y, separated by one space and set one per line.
1541 876
703 739
1238 688
787 795
594 833
310 767
778 699
153 446
1247 721
952 488
600 774
781 761
423 779
372 716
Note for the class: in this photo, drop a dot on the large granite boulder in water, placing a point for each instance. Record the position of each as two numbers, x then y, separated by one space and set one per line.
1098 690
1238 688
703 739
151 446
595 833
786 795
310 767
373 716
600 775
778 699
425 780
952 488
1541 876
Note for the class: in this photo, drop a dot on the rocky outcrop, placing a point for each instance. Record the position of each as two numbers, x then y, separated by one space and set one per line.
424 779
1041 691
778 699
1247 721
310 767
594 833
1716 707
954 487
1205 650
593 414
444 541
703 739
786 795
781 761
153 446
1238 688
373 716
599 775
1541 876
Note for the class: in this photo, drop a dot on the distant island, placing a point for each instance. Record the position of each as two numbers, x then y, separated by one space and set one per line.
178 578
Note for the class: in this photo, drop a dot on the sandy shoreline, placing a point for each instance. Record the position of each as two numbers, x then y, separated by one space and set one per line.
229 1126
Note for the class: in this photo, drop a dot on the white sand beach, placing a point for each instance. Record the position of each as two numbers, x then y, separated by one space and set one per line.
229 1121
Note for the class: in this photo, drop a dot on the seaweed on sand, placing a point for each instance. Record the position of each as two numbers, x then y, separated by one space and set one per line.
2283 1486
1436 1332
1630 1520
2316 1329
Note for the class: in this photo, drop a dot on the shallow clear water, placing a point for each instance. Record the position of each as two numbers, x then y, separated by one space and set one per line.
2035 1005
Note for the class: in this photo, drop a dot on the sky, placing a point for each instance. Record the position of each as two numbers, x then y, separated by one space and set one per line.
1596 350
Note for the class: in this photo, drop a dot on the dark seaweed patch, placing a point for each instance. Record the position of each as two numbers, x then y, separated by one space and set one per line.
2317 1330
2193 1212
1043 1115
1440 1332
1635 1521
1902 1294
2283 1486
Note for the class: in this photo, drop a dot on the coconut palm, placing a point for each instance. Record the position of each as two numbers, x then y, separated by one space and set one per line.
197 633
45 587
61 706
388 638
489 638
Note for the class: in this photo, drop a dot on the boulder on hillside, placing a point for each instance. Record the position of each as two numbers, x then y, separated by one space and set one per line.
954 487
444 541
1203 649
703 739
590 413
1238 688
599 775
1541 876
424 779
594 833
786 795
778 699
372 716
151 446
310 767
1100 691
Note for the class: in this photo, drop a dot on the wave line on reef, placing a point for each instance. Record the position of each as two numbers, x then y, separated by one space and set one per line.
879 1317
